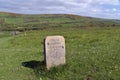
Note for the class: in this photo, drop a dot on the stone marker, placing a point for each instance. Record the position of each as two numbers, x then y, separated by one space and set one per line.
54 51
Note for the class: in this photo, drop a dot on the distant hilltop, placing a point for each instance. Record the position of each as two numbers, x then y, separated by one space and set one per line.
13 21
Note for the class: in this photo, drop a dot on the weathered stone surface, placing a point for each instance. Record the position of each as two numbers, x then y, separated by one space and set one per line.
54 51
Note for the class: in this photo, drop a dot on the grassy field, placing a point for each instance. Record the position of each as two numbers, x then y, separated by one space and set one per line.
12 21
91 54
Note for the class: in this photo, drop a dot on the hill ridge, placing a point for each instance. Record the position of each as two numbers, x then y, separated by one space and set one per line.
11 21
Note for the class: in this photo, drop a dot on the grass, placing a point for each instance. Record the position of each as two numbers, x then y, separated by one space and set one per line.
91 54
12 21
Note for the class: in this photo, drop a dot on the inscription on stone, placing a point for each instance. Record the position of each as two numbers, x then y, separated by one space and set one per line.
54 51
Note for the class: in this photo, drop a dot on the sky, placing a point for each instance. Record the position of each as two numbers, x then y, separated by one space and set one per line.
109 9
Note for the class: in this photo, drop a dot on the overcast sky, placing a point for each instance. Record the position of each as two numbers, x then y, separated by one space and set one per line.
95 8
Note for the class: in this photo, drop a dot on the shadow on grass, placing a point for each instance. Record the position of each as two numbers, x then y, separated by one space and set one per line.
37 66
33 64
40 70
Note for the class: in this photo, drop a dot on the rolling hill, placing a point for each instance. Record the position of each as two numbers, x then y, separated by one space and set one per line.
12 21
91 53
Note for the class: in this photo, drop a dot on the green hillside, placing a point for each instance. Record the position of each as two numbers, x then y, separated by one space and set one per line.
92 47
11 21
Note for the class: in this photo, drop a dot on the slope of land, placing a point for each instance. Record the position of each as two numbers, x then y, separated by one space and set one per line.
12 21
92 47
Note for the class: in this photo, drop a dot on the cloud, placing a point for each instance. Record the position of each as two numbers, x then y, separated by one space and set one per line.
111 2
95 8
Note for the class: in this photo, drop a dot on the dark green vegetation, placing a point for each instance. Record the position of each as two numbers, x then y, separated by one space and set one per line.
92 47
90 53
11 21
